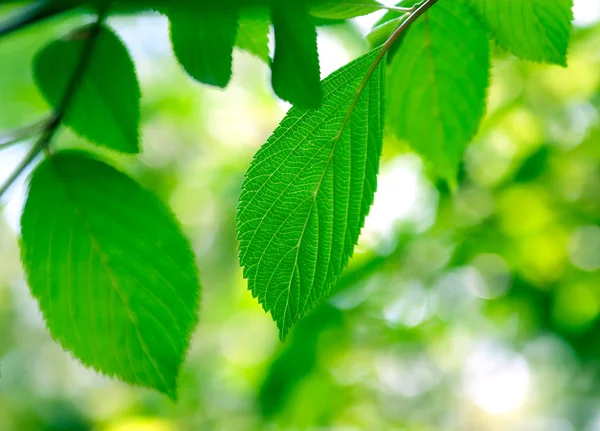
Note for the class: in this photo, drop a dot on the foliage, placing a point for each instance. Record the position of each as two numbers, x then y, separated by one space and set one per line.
306 193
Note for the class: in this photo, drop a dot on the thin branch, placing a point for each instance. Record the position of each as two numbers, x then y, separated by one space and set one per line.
52 126
378 6
15 136
32 14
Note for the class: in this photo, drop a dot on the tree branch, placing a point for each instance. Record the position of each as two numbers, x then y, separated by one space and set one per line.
34 13
52 125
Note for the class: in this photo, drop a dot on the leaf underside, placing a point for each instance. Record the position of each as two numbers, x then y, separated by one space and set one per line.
307 193
114 277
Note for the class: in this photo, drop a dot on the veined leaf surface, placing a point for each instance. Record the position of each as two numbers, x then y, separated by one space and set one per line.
535 30
114 277
307 193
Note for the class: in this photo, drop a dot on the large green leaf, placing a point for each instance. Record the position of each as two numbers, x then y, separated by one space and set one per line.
295 68
106 105
307 193
437 84
203 43
535 30
114 276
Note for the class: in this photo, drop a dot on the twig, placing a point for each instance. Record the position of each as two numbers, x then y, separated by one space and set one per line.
52 125
32 14
15 136
419 10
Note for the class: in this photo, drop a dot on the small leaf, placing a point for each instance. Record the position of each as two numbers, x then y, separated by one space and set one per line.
253 35
437 84
203 43
344 9
106 105
295 68
536 30
113 275
307 193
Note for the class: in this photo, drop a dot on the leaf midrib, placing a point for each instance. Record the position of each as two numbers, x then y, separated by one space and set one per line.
114 280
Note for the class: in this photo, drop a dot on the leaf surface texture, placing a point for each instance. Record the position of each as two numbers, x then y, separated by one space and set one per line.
307 193
114 277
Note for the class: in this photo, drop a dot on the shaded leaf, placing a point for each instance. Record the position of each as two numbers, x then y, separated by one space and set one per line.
437 84
295 68
307 193
203 43
253 35
106 105
114 277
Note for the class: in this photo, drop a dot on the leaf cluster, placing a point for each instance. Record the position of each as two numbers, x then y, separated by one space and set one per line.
109 264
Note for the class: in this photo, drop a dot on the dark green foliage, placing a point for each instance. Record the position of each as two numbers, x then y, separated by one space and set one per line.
203 43
295 68
106 103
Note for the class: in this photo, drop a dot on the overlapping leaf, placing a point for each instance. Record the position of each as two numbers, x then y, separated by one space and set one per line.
307 192
114 277
106 105
437 84
535 30
203 43
253 34
295 69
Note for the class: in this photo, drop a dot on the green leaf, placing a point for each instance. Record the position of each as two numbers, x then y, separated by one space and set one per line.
344 9
295 68
307 193
381 32
536 30
253 35
114 276
203 43
106 105
437 84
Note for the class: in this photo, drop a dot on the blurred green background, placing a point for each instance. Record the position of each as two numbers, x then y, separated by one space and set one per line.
472 310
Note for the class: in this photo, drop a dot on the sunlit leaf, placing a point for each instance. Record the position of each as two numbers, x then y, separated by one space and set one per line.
114 277
535 30
307 193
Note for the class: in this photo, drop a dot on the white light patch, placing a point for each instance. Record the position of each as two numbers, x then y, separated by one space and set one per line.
498 381
586 12
403 194
11 204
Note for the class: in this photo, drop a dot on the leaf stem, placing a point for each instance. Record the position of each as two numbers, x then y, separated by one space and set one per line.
51 126
419 9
